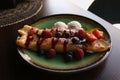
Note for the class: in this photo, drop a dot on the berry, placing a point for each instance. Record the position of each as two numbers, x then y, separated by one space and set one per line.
79 54
68 56
31 32
58 34
46 34
41 52
51 53
80 34
67 34
75 40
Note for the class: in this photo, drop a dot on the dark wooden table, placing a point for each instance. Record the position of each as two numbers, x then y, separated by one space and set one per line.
13 67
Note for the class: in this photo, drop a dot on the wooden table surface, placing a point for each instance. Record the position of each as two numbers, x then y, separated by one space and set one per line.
13 67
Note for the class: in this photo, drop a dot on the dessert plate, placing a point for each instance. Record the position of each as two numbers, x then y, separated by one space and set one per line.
57 64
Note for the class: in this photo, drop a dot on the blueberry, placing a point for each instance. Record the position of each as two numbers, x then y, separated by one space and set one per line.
41 52
39 36
75 40
58 34
67 34
68 56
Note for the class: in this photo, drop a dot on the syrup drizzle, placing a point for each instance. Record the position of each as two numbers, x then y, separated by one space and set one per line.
64 32
39 42
54 42
30 37
65 45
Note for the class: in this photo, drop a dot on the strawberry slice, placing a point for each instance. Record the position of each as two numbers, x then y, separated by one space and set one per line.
91 37
98 33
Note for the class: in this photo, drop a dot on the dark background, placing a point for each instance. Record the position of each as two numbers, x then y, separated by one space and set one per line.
107 9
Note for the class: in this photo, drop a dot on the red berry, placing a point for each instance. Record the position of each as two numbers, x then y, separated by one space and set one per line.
46 34
81 34
79 54
51 53
31 32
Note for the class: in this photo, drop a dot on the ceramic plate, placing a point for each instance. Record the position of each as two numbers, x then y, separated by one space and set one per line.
57 64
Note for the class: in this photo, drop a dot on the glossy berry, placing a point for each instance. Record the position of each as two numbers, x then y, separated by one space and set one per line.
67 34
46 34
58 34
51 53
41 52
79 54
81 34
75 40
68 56
31 32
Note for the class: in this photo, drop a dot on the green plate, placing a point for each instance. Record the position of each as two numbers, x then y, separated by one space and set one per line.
57 64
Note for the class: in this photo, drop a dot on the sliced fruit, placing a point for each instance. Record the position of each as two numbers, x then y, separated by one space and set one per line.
98 33
91 37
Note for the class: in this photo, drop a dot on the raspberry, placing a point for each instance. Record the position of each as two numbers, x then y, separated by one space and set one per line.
81 34
46 34
79 54
51 53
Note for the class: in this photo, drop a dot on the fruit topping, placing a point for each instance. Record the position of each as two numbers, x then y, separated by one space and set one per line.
79 54
81 34
58 34
31 32
98 33
41 52
46 34
75 40
91 37
67 34
68 56
51 53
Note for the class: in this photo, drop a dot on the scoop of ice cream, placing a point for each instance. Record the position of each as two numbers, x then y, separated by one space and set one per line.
74 25
60 24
